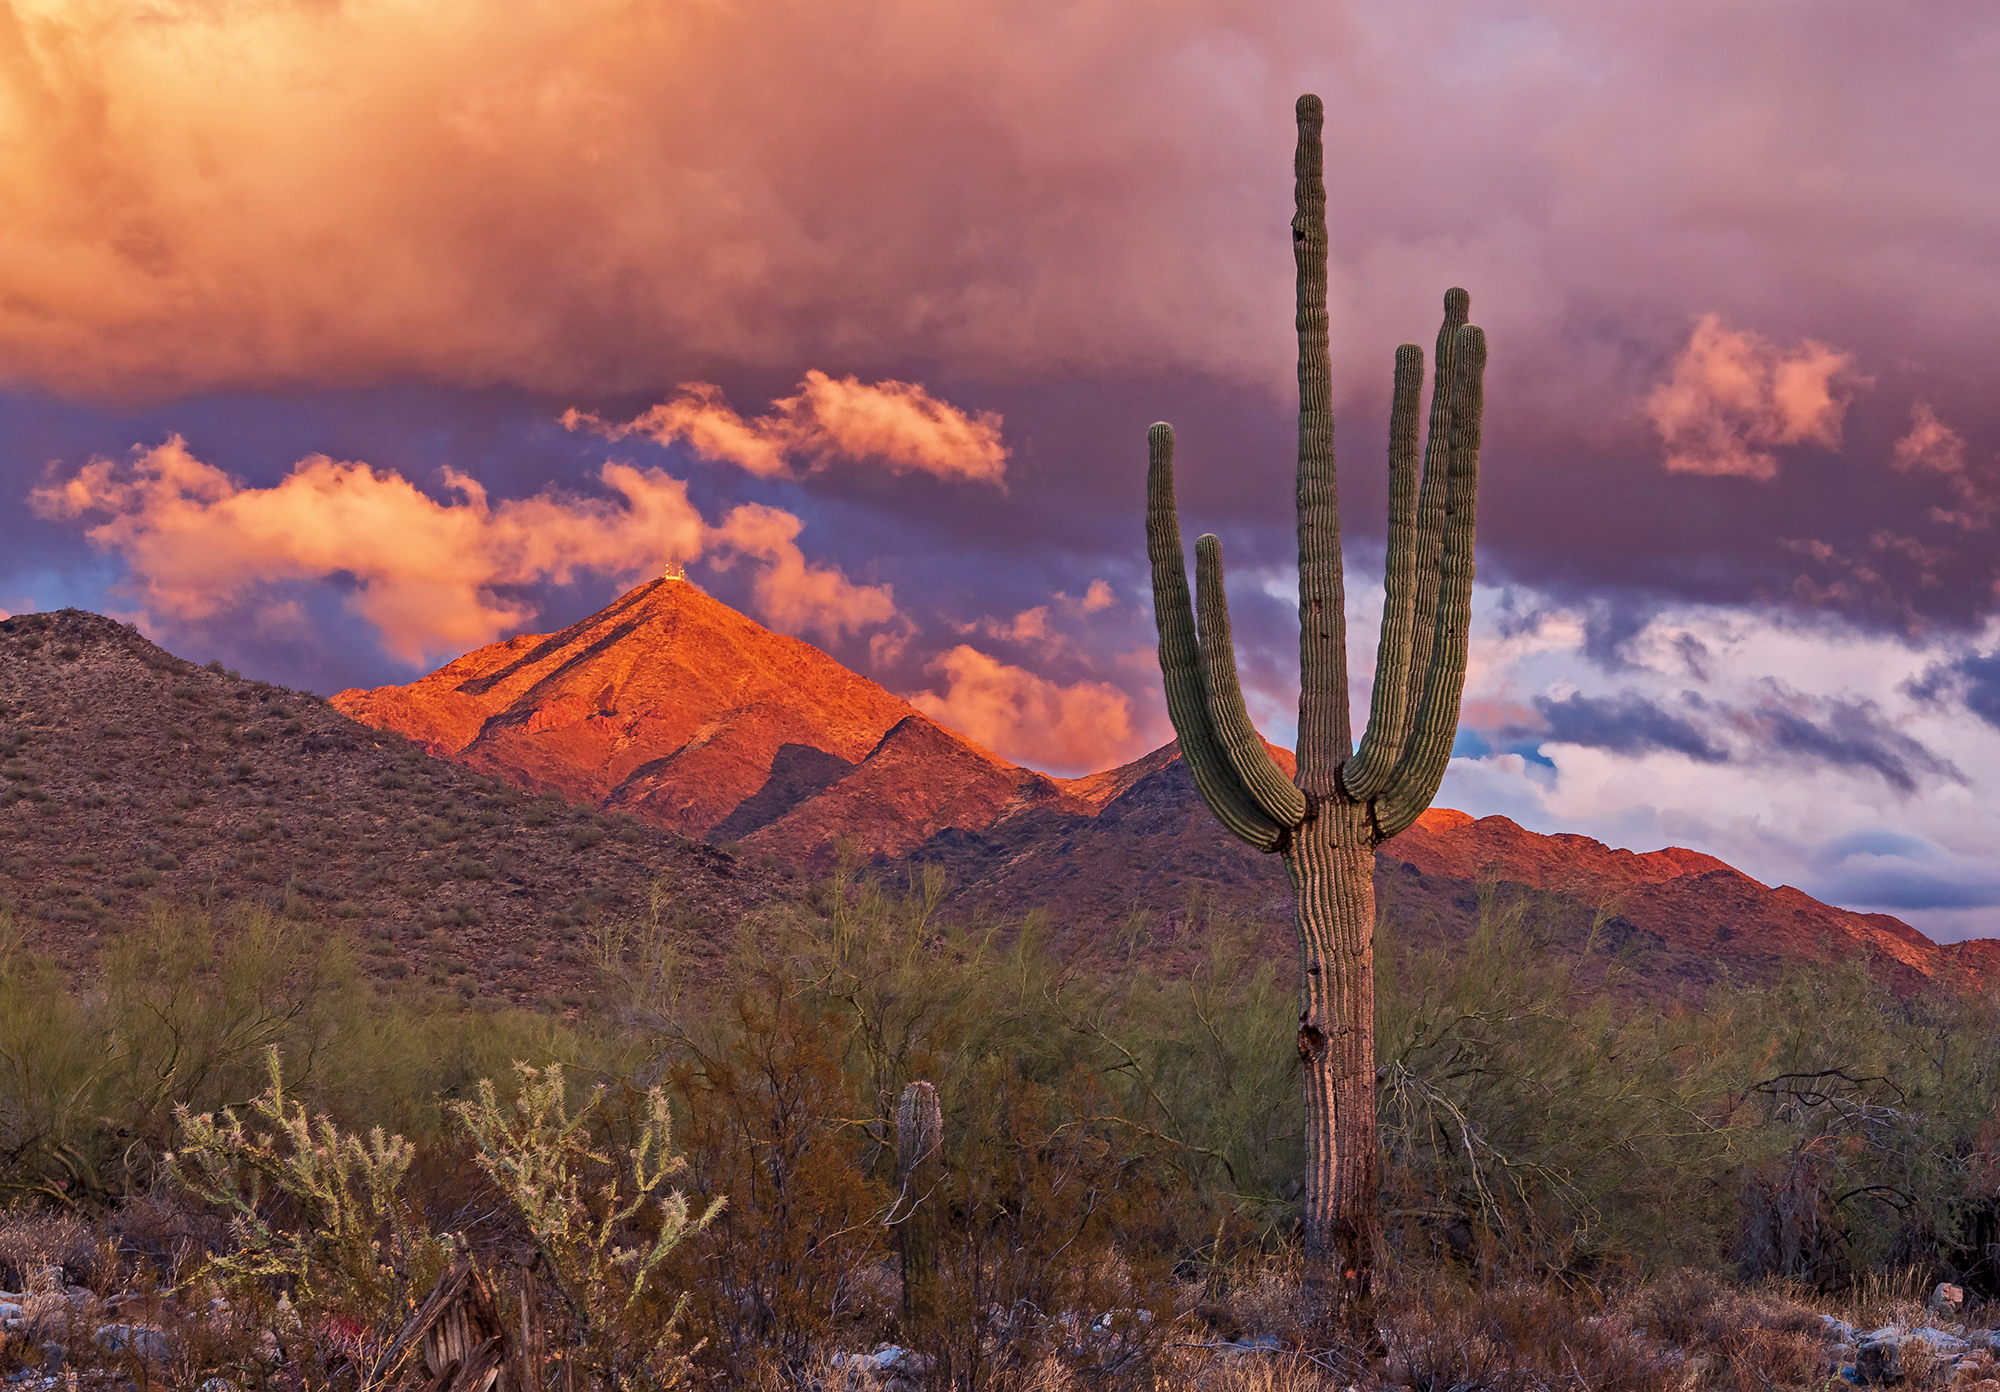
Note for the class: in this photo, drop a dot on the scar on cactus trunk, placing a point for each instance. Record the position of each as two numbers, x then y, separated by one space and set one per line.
1343 802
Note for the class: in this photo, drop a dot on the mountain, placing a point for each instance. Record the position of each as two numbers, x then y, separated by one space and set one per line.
671 707
676 709
1150 863
134 777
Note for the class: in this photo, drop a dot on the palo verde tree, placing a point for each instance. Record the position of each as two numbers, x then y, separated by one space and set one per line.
1327 820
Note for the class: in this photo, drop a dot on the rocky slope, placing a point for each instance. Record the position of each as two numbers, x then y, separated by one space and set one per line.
1149 865
673 707
133 777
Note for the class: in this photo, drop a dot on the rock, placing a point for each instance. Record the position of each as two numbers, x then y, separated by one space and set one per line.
888 1361
1878 1359
1946 1298
11 1311
148 1341
1940 1341
1839 1330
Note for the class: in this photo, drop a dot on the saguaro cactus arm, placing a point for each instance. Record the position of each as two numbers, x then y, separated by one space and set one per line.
1389 712
1259 774
1181 662
1421 769
1325 732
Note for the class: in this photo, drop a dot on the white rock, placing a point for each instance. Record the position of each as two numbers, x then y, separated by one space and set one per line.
1939 1341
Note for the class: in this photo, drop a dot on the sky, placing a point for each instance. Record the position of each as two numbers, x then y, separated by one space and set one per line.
340 336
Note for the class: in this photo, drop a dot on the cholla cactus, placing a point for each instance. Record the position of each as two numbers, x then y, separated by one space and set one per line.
536 1153
347 1192
1343 802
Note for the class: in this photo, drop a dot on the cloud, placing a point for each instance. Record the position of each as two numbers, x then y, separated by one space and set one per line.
791 593
897 424
1028 626
1732 395
1626 724
1073 729
1782 727
433 577
1932 447
1847 734
1097 598
1973 678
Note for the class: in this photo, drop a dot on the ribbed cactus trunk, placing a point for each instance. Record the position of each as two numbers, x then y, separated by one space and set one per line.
919 1168
1342 802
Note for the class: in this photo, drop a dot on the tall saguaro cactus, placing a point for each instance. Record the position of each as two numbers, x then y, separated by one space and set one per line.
1343 802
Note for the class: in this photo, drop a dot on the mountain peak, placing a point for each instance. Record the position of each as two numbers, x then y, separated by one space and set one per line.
670 705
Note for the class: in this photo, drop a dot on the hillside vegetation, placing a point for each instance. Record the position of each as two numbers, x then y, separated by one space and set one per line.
1118 1164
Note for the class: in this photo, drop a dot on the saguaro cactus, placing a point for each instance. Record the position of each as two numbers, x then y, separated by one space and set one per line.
919 1167
1327 820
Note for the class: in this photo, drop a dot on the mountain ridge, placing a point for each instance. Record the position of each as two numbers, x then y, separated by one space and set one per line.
788 785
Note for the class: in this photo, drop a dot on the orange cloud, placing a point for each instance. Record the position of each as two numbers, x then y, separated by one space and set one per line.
1095 599
897 424
1028 718
429 575
1934 447
597 196
1732 395
792 594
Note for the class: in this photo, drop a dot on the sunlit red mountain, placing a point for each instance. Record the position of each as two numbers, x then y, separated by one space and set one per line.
675 708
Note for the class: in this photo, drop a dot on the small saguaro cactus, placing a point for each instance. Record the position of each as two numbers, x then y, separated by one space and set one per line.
1327 819
919 1168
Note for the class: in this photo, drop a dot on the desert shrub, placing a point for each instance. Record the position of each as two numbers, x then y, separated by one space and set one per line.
348 1246
579 1204
183 1011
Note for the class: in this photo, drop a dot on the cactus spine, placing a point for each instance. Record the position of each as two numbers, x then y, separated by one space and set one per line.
1327 820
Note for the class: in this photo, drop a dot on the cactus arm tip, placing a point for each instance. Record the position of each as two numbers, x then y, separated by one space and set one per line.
1181 661
1421 769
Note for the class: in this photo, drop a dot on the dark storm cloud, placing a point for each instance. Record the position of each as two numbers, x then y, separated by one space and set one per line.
1081 229
1623 724
1972 679
1848 734
1787 730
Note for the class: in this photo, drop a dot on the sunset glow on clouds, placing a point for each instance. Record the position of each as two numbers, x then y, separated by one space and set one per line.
916 285
1733 396
896 424
1074 729
430 576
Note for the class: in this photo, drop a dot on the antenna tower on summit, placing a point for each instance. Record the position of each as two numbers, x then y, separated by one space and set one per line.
674 571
